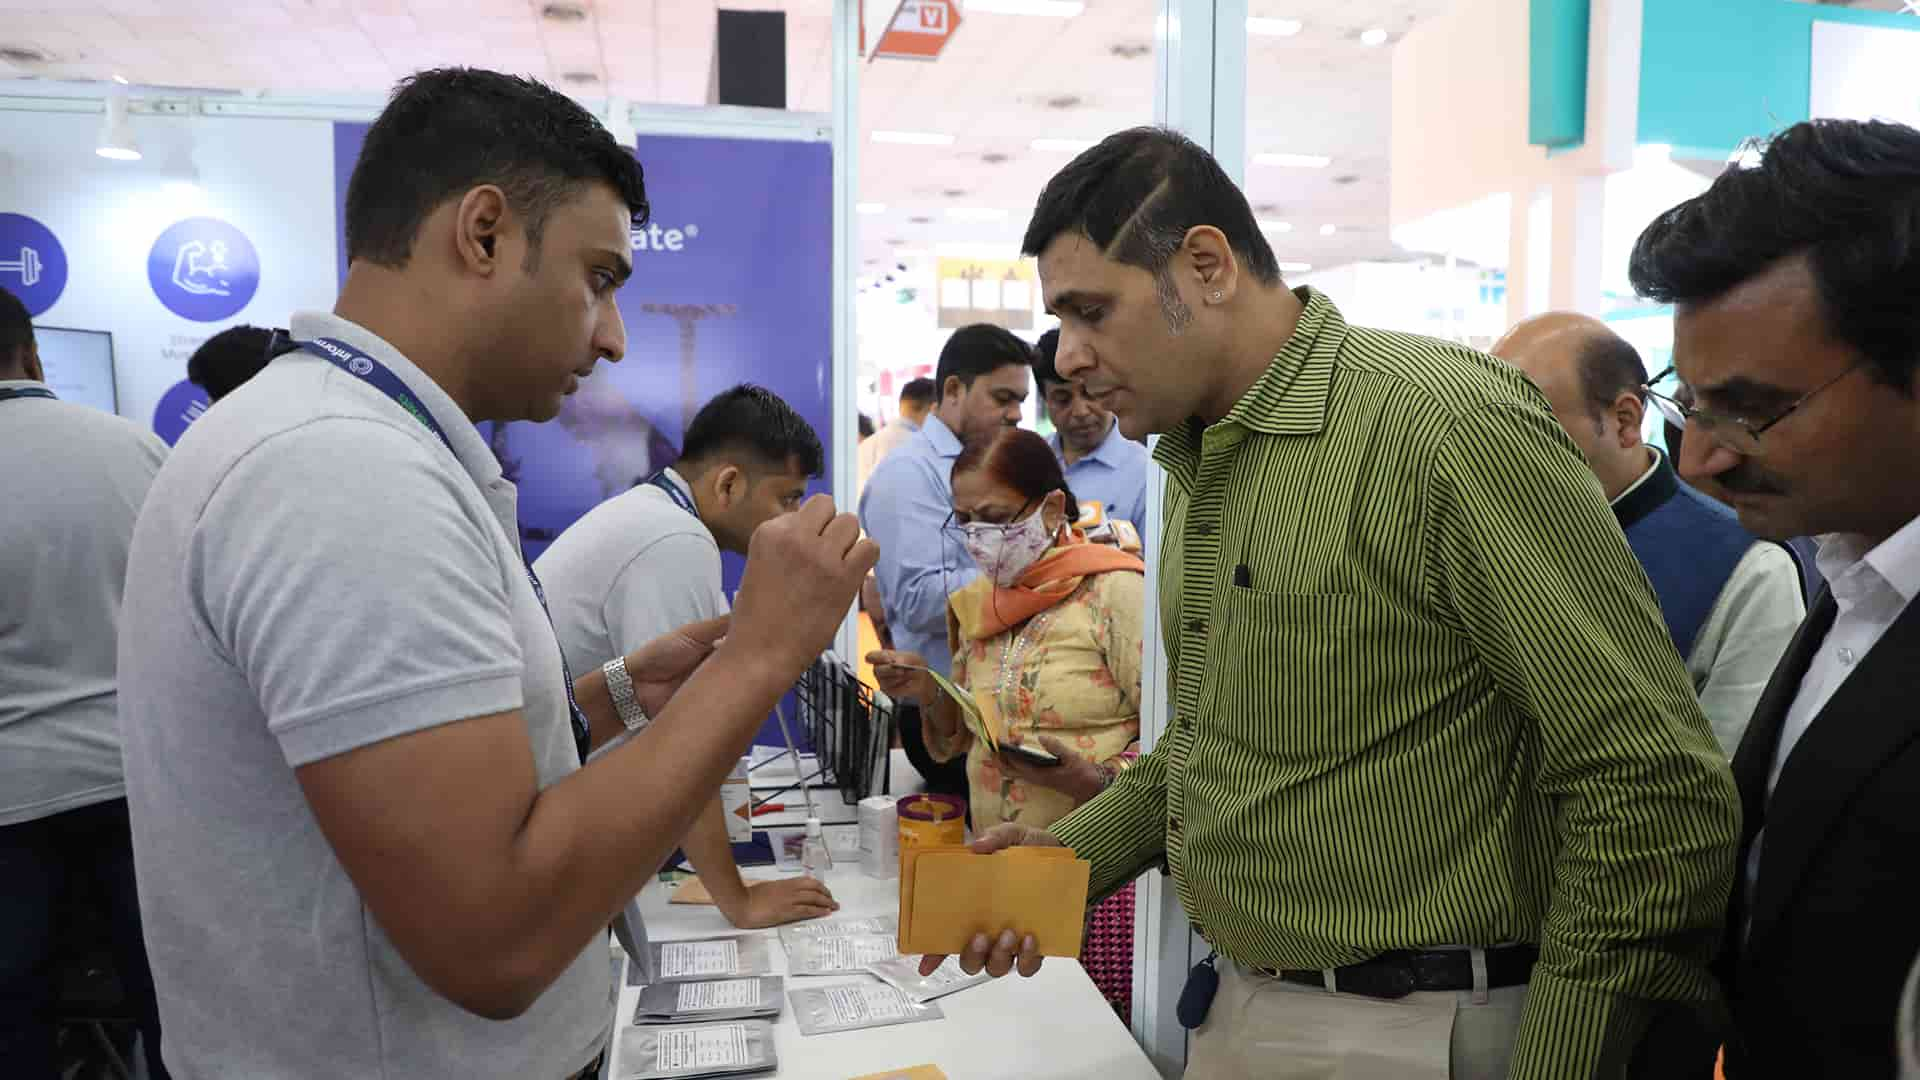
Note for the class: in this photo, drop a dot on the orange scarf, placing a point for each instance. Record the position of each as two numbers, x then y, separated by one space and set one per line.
982 610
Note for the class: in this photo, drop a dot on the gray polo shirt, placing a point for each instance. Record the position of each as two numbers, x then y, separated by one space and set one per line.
635 567
71 485
314 573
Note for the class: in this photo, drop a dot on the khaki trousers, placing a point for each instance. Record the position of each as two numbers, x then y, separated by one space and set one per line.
1264 1029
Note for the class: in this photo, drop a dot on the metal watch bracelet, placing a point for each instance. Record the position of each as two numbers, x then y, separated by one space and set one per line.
620 689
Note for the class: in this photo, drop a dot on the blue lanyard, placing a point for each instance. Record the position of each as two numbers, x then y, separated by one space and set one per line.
673 491
11 392
381 378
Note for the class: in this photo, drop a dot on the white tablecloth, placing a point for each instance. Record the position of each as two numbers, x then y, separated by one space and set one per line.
1055 1024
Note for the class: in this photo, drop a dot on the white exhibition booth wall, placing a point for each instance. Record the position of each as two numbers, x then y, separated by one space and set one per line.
269 180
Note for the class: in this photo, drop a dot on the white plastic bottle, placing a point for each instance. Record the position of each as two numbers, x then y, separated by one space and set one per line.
814 858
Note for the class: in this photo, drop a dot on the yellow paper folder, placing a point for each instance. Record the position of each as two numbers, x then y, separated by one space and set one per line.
917 1072
948 894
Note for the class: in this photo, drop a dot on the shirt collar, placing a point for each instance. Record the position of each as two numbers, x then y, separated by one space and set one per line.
907 423
1289 398
1110 452
1896 559
22 384
1647 494
673 477
945 442
468 447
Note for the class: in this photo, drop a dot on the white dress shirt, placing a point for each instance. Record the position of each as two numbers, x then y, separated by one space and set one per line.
1871 589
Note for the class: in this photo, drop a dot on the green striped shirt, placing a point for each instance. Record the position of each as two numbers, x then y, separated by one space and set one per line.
1422 695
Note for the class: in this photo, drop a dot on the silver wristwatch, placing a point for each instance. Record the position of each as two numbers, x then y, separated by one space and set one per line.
620 689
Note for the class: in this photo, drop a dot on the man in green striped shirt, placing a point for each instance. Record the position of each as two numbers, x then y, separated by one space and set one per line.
1426 718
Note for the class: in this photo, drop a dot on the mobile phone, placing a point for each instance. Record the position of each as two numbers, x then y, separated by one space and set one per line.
1032 757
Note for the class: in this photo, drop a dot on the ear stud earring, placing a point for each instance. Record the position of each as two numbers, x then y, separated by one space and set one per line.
1216 297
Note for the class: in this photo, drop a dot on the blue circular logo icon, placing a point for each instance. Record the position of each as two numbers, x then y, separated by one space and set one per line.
203 269
33 265
179 407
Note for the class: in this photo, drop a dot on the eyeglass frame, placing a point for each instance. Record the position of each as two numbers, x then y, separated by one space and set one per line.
1680 413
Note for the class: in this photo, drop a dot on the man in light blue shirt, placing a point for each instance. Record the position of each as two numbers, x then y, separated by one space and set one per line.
982 380
982 383
1101 464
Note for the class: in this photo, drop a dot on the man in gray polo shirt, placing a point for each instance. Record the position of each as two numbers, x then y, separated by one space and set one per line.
646 561
366 846
73 480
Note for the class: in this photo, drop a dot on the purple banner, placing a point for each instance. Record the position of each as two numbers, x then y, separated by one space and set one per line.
732 283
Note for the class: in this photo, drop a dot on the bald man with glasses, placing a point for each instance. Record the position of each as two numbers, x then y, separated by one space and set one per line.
1731 603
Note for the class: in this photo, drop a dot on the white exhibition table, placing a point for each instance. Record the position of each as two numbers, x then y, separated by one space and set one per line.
1055 1024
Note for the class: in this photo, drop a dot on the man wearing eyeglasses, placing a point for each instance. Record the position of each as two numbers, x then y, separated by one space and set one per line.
1731 604
1796 286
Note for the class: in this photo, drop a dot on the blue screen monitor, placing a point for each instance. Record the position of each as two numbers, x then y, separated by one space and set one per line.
79 365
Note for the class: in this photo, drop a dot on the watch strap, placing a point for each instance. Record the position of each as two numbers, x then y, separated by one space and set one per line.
620 689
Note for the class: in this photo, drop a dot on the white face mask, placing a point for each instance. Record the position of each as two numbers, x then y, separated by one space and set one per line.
1004 552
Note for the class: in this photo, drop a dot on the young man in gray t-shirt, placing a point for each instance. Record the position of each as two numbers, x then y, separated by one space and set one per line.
648 560
365 841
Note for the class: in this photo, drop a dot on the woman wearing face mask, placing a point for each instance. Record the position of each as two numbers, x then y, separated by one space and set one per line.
1047 640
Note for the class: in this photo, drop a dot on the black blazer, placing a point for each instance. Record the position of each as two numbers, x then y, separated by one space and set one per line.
1835 914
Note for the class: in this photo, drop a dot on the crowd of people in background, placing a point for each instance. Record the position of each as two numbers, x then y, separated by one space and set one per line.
1498 743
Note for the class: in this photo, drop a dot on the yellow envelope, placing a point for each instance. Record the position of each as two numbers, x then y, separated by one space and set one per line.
691 891
948 894
916 1072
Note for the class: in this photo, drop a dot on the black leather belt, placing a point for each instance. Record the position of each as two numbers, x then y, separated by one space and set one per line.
1400 972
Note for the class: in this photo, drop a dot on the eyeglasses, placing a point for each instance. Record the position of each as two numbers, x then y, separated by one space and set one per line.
1736 433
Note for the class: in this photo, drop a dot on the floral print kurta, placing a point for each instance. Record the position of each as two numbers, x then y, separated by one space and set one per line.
1072 672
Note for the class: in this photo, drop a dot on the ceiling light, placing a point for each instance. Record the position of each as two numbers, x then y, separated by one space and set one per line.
870 208
976 213
1294 161
1295 268
1375 36
1059 9
121 79
913 138
1273 27
1063 146
1271 225
116 135
1328 230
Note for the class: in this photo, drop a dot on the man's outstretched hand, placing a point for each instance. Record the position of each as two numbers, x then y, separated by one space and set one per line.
1010 950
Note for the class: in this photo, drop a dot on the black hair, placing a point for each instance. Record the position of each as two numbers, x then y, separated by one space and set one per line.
1846 193
976 350
866 426
755 420
230 358
1136 195
921 391
1044 350
450 130
16 328
1609 366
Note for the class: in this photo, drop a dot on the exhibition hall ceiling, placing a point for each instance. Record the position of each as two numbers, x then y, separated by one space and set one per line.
970 169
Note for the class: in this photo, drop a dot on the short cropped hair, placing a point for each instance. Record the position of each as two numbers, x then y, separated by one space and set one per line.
450 130
230 358
755 421
1138 193
1846 193
976 350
